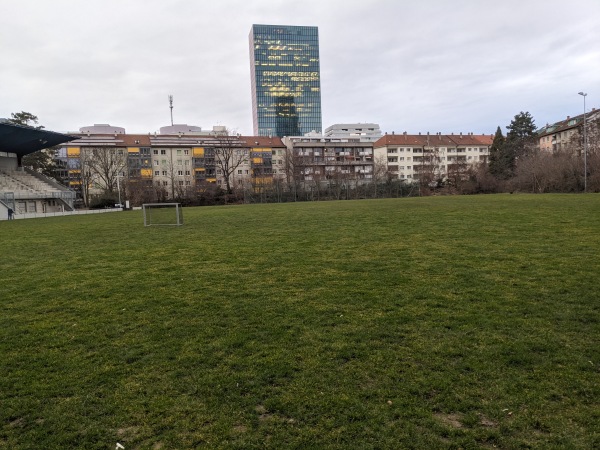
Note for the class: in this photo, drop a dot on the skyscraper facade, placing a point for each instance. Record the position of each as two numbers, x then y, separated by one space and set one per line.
286 80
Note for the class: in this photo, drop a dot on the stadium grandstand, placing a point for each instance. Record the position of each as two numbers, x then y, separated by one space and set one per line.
22 190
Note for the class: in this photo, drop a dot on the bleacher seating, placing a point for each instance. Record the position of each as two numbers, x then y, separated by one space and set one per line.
28 192
19 181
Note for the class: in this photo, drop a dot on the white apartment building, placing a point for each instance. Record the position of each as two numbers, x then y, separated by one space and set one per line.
430 157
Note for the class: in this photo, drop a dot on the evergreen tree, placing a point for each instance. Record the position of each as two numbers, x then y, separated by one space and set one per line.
25 119
522 127
520 140
496 149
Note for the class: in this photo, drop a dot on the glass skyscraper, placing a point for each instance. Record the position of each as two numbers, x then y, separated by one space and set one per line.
286 80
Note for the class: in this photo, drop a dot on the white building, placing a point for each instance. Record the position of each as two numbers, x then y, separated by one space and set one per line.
428 157
365 132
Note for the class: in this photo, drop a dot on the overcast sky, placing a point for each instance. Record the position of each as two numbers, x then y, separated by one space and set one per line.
434 65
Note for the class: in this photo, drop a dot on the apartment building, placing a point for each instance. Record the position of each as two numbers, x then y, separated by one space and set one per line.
318 160
565 135
170 164
430 158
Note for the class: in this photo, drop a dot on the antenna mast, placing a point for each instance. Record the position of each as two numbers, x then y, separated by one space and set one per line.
171 106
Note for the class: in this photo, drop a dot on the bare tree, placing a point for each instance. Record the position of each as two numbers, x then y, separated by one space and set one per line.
107 164
229 155
85 176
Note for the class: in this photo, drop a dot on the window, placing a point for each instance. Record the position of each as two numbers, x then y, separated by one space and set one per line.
392 159
187 172
163 152
187 183
180 182
155 152
180 173
239 171
178 151
164 172
401 158
186 152
179 162
157 172
165 183
392 150
156 162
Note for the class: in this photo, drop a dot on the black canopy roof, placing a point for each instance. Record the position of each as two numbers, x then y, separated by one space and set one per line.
23 140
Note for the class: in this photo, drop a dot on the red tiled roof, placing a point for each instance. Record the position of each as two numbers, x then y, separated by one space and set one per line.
424 140
472 139
130 140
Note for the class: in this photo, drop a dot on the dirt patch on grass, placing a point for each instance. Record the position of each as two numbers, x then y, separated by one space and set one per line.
454 420
240 428
127 432
264 415
17 423
486 422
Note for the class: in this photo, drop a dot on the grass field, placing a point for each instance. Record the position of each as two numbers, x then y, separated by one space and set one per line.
446 322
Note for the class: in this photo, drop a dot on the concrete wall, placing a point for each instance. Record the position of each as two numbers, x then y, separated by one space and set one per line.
8 162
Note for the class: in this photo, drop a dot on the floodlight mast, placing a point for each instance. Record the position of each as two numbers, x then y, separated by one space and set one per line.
584 95
171 106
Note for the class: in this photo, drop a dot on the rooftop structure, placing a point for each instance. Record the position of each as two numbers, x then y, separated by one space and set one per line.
366 132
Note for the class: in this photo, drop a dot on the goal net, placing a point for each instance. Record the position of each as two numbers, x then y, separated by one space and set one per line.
162 214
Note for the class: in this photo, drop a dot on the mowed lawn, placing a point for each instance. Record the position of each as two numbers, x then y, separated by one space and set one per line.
441 322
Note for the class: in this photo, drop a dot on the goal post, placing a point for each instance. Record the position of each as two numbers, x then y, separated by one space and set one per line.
162 214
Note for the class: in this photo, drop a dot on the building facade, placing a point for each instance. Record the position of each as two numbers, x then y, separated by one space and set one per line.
430 158
566 135
324 161
285 80
167 165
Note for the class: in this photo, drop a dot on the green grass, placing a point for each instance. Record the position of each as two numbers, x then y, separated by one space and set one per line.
454 322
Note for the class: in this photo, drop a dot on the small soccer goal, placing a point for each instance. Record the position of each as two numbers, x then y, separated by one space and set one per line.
162 214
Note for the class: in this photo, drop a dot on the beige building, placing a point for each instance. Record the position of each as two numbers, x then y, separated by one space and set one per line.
168 165
430 158
565 135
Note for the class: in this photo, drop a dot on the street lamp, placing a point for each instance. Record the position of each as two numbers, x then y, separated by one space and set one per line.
584 95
